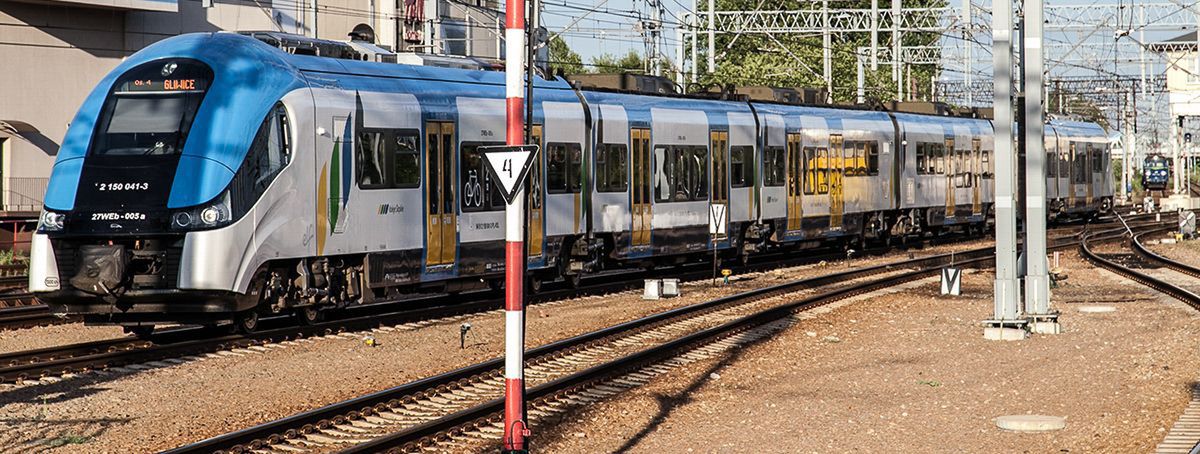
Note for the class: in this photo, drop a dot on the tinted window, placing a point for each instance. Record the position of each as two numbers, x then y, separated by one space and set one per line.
612 168
479 192
406 168
563 168
773 166
151 108
268 155
680 174
387 158
741 166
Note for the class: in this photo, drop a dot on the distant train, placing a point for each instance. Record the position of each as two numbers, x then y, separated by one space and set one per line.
214 178
1156 172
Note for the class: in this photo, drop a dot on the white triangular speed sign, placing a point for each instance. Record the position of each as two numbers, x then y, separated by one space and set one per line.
509 165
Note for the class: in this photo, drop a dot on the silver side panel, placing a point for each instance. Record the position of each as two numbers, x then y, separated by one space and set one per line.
479 120
774 206
741 133
676 127
611 209
43 267
564 124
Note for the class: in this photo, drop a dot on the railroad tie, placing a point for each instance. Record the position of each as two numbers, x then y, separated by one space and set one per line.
1185 433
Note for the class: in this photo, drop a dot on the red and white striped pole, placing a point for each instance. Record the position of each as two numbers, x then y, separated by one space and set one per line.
515 429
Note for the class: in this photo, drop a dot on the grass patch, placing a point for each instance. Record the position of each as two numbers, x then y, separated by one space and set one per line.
8 257
68 440
930 383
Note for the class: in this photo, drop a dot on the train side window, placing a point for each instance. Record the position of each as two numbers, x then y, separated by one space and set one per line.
556 168
1097 162
1052 164
269 153
663 167
479 192
574 167
612 169
741 159
406 167
921 157
810 170
939 159
985 167
773 166
860 158
372 159
699 163
872 158
848 159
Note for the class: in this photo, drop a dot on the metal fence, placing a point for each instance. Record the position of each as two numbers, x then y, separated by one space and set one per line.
23 194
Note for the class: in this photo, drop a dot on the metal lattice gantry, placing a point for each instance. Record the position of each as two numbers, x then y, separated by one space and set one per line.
1081 40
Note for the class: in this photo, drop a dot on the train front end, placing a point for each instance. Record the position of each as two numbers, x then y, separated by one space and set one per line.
151 170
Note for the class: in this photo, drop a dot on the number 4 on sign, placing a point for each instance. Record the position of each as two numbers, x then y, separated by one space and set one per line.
509 165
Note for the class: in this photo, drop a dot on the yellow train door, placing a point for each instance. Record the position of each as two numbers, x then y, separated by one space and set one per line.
642 209
1089 168
948 155
440 219
535 200
719 142
1074 175
975 178
837 203
795 172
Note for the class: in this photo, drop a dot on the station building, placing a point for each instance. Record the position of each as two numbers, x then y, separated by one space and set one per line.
55 51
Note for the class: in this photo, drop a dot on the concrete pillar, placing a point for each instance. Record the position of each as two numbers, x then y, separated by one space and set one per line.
1007 287
1037 280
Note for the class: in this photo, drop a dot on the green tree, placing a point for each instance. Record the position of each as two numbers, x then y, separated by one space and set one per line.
563 58
610 64
789 60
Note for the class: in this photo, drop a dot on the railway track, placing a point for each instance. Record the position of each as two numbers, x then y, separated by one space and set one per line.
52 362
1184 436
185 343
452 411
16 281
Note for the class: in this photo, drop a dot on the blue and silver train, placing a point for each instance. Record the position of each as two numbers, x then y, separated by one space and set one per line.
214 177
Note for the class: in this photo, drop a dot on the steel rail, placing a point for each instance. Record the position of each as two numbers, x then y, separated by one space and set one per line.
1173 290
412 437
197 340
275 431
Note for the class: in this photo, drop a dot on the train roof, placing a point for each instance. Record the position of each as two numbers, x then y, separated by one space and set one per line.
1079 129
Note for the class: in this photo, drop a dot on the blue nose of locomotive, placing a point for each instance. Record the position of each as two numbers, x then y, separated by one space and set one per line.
161 137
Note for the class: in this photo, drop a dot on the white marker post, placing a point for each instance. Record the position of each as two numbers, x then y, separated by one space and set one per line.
509 166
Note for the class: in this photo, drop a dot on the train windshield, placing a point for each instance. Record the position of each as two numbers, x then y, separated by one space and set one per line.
151 109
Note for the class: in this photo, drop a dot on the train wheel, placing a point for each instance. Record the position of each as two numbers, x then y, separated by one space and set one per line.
534 285
575 280
309 315
247 321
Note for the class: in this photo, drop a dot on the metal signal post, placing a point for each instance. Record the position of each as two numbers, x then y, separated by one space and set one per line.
515 428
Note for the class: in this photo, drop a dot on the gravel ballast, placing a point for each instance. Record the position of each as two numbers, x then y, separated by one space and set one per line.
911 372
160 408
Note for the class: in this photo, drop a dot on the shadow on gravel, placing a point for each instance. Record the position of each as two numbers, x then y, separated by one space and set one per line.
68 389
41 434
667 403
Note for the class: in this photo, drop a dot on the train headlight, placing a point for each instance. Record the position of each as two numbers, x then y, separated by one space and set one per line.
208 216
51 221
213 215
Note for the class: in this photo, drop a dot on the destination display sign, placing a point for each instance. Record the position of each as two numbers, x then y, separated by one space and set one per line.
167 85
